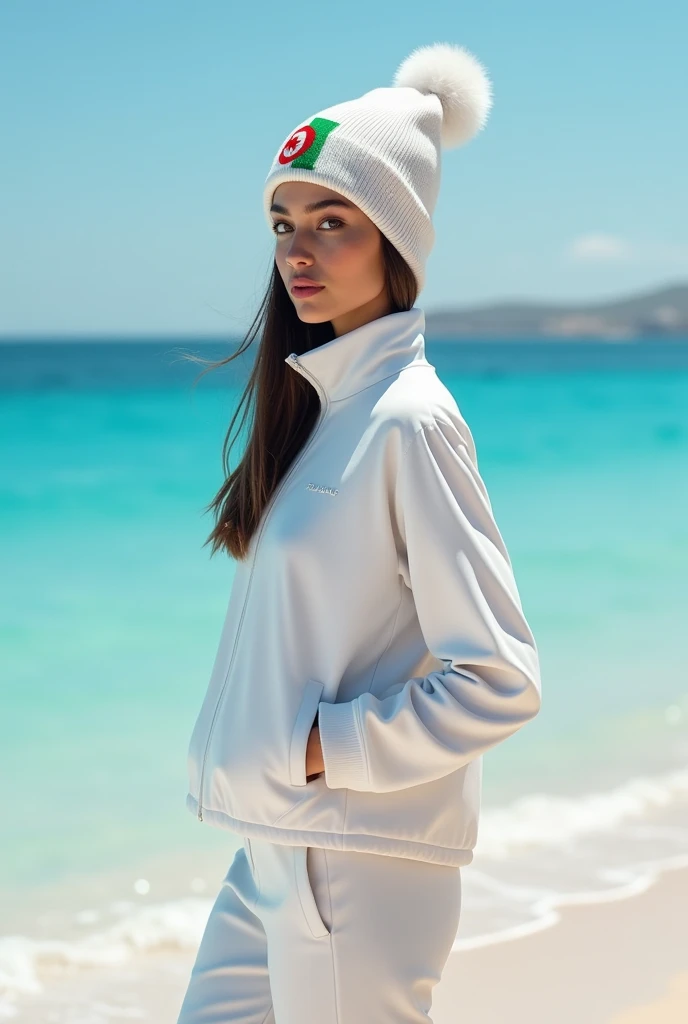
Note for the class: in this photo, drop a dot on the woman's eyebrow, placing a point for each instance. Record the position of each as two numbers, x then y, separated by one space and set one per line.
311 207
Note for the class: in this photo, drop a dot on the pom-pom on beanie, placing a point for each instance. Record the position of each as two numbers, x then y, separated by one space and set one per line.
382 150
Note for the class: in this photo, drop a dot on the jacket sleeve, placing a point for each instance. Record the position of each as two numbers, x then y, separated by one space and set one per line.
469 610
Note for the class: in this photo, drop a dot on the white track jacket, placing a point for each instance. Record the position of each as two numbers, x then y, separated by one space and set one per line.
378 595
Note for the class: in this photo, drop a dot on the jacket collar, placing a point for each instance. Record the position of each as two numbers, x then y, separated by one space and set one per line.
364 356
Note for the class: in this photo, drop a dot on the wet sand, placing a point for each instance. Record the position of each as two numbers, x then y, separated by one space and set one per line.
623 962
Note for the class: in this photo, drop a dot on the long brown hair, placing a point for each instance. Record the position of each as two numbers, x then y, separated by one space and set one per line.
282 405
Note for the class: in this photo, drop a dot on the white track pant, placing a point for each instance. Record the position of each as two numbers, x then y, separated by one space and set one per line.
303 935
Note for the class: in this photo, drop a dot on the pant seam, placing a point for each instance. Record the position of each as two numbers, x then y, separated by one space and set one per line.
334 971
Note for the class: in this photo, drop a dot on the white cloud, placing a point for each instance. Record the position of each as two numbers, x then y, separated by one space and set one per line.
597 247
600 247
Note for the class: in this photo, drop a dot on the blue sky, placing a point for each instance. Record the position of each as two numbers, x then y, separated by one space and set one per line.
137 136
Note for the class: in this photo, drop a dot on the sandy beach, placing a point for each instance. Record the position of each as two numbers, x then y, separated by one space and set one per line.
623 962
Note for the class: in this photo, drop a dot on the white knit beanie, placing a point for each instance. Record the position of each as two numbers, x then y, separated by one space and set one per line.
382 150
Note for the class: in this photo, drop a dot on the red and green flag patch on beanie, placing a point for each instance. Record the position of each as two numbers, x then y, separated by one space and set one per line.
303 148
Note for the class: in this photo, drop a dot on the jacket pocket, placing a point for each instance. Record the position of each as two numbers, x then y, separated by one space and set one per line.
304 887
301 731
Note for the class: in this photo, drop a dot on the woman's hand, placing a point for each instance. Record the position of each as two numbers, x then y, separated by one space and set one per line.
314 758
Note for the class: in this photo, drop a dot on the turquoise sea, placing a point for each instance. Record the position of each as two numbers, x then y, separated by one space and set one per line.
111 609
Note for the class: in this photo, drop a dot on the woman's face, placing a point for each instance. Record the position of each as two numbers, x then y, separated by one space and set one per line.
337 247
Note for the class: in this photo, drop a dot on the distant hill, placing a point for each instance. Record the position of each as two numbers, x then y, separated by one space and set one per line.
662 313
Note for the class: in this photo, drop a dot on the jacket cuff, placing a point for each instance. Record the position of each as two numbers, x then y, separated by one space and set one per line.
342 748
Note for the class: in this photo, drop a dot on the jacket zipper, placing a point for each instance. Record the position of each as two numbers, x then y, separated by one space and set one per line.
324 405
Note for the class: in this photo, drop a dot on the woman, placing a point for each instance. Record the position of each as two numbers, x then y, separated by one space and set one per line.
375 644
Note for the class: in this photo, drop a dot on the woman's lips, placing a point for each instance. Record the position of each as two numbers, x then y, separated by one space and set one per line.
303 291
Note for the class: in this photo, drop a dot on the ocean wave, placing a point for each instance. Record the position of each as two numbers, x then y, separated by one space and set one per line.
175 925
544 820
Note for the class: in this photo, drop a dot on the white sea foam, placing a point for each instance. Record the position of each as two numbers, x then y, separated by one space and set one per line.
545 913
540 820
175 925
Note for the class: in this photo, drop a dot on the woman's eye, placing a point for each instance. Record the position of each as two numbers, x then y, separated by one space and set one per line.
281 223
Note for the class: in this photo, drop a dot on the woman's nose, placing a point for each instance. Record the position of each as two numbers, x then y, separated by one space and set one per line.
298 252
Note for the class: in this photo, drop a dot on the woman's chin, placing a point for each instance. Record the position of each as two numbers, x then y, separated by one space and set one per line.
310 315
